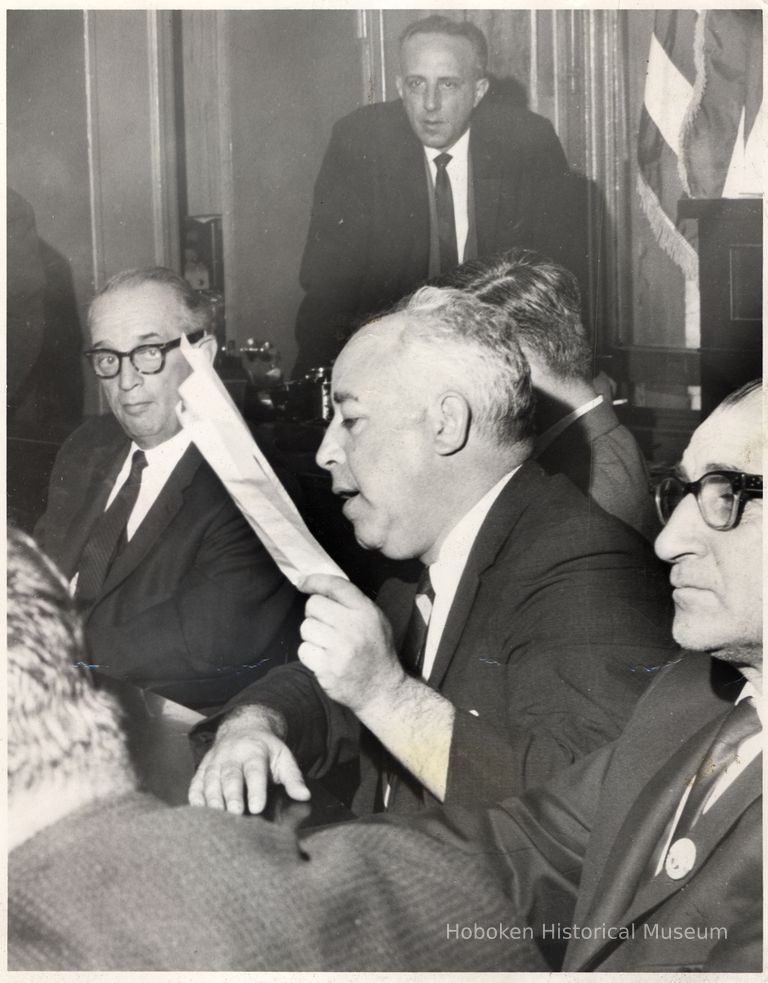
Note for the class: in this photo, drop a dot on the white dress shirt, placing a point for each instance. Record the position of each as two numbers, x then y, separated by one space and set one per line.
458 172
161 461
747 751
445 573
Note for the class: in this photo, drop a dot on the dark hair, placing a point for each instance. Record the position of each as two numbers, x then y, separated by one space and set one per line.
195 311
438 24
541 302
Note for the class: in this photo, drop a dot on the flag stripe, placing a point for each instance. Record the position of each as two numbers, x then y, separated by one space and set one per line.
669 90
728 78
673 29
667 94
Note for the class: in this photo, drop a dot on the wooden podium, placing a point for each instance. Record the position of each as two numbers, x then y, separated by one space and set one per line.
731 288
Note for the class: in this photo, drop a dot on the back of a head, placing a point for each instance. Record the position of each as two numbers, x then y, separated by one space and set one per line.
469 346
195 312
744 407
541 302
59 727
439 24
749 395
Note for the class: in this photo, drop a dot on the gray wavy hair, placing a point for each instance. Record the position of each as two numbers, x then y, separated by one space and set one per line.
482 360
59 725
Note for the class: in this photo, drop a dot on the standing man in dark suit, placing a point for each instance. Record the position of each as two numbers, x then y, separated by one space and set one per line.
179 594
536 624
409 189
579 434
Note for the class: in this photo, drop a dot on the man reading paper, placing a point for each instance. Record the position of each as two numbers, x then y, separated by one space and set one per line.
537 622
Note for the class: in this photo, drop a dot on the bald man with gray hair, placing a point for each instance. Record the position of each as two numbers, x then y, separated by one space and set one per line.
535 624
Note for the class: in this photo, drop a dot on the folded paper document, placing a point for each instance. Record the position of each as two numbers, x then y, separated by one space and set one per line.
207 412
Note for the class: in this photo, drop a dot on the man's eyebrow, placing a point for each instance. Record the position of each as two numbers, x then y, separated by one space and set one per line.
344 397
682 473
153 335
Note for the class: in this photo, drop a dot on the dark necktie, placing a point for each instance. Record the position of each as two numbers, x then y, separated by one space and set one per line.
106 534
446 223
740 723
415 640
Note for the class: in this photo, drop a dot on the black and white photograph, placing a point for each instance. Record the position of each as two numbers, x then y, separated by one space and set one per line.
384 420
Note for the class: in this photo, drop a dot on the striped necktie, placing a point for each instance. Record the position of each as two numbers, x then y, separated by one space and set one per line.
415 640
105 537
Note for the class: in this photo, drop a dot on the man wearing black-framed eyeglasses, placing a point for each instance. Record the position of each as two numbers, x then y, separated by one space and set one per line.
710 512
178 593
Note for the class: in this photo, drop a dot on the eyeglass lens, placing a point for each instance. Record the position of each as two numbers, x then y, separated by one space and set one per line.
715 497
147 359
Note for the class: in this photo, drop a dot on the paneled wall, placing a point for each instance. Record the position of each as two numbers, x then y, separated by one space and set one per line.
282 79
94 99
91 147
47 164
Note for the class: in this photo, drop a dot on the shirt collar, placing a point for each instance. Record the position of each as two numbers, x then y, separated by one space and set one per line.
551 433
459 151
447 569
169 451
749 692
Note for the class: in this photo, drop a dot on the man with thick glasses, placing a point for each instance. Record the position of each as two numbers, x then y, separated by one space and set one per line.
178 593
647 855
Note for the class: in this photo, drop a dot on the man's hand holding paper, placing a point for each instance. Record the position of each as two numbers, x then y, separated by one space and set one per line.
347 643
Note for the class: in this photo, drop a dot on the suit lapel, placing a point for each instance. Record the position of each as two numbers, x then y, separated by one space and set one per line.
96 487
706 834
154 524
487 184
620 898
494 533
408 198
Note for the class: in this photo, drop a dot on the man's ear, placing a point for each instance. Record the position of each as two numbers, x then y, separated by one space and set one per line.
209 345
481 87
453 416
399 85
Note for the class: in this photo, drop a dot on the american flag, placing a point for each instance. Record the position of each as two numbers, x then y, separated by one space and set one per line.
701 126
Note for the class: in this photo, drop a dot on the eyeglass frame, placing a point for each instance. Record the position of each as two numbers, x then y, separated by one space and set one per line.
743 486
163 346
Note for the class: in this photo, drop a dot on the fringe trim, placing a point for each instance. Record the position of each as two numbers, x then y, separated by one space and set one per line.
673 242
699 86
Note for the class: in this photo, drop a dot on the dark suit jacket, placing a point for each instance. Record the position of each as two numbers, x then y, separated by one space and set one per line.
574 852
368 240
601 457
560 619
194 607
